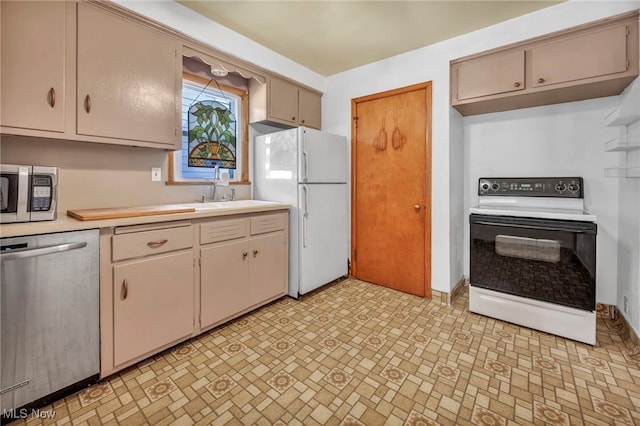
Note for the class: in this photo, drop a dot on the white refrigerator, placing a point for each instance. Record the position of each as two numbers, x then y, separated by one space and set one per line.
307 169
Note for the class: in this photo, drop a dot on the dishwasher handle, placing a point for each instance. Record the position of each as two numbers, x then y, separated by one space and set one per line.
40 251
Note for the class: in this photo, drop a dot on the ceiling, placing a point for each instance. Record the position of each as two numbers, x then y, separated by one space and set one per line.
329 37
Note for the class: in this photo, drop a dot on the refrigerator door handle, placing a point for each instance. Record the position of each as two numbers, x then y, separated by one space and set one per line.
305 216
304 165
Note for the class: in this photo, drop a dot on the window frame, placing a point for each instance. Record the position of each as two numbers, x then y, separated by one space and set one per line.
244 154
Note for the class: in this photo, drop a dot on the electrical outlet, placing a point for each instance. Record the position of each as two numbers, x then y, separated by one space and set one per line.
156 174
626 305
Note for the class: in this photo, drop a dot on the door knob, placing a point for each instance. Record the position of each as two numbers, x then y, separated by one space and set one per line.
417 207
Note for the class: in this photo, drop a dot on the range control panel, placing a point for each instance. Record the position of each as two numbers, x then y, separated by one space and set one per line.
565 187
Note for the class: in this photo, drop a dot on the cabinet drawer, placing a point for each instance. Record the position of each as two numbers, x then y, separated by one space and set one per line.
223 230
139 244
268 223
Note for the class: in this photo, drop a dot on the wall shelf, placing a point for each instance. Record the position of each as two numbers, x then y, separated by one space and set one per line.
622 142
624 115
619 172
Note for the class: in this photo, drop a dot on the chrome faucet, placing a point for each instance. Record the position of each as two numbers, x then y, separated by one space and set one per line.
216 178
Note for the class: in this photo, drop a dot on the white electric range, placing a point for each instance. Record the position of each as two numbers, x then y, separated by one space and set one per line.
533 255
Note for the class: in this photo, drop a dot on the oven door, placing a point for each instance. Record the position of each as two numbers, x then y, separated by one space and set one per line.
548 260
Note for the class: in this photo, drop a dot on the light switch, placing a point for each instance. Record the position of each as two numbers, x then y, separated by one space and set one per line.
156 174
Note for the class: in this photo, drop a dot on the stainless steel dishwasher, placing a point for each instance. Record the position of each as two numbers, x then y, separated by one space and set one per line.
49 313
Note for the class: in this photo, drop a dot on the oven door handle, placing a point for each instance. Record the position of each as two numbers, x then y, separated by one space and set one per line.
539 228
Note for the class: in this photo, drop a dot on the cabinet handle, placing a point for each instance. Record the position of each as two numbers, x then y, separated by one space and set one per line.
157 243
302 121
87 104
293 119
244 255
516 84
255 253
52 97
541 80
125 289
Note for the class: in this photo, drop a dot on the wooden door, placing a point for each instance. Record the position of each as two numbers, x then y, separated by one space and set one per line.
33 60
391 189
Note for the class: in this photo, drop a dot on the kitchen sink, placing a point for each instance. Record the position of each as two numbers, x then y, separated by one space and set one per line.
239 204
206 206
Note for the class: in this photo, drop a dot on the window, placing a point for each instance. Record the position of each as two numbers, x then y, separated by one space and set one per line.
214 132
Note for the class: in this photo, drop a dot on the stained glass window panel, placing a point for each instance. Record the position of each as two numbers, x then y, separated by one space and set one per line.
201 164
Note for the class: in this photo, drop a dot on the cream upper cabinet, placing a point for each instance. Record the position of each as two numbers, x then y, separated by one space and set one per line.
594 54
590 61
127 86
89 72
284 103
490 75
309 108
33 65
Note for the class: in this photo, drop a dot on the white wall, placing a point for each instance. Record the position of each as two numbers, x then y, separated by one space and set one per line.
215 35
629 226
556 140
431 63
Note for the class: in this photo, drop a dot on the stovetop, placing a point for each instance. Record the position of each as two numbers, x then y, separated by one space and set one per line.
536 212
544 198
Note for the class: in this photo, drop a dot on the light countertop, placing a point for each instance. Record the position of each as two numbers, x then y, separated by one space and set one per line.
65 223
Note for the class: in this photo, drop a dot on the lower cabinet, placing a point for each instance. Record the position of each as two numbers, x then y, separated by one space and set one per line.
164 283
153 304
241 266
267 267
224 282
147 291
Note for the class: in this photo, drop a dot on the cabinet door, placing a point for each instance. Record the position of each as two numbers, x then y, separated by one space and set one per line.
152 304
491 75
127 80
593 54
283 101
268 267
309 108
224 281
32 66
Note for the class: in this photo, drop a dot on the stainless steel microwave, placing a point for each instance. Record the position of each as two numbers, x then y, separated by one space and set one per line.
28 193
